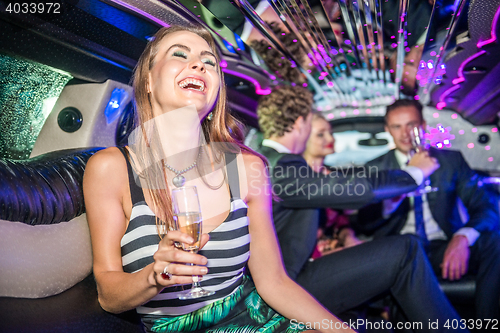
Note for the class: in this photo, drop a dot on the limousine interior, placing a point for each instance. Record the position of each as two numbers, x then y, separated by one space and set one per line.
65 93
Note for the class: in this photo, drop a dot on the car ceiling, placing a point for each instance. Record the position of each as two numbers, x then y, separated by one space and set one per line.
99 40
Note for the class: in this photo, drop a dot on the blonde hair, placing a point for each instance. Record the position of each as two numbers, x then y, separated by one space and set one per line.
222 128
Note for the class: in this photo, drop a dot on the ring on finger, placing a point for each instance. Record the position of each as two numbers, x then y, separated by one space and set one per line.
166 274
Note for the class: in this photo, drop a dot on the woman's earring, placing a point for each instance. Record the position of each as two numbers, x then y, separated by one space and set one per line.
210 116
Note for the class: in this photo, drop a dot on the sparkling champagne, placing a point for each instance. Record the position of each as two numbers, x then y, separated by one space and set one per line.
190 224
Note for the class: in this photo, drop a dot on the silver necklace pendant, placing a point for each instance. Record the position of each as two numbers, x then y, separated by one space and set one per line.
179 180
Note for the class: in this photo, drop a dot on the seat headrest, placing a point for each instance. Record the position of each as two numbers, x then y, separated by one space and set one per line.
46 189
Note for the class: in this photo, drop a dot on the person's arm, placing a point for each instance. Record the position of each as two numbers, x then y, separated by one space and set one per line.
300 187
373 217
105 187
482 208
265 264
481 204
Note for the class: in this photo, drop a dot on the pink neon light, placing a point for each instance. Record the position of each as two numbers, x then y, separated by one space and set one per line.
494 130
470 145
439 106
462 66
490 159
474 130
487 147
460 77
493 31
258 89
448 92
454 116
330 116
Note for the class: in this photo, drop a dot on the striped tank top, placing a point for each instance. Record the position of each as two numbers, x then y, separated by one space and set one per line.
227 251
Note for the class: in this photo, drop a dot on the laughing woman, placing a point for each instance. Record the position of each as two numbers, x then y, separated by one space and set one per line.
186 136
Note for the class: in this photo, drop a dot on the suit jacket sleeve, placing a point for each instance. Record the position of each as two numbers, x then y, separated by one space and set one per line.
481 203
369 220
299 186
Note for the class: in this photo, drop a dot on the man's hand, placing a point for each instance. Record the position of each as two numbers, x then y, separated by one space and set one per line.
424 162
327 246
456 258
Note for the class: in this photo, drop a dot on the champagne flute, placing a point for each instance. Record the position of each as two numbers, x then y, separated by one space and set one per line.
188 220
417 137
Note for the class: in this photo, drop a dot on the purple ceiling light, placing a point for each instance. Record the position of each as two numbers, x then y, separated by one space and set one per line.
439 137
141 12
456 81
258 89
493 31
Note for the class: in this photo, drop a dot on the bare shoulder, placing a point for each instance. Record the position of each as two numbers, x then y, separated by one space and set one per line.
107 166
254 164
256 181
107 157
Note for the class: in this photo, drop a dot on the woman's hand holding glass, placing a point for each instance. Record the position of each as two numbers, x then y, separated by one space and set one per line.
187 212
175 266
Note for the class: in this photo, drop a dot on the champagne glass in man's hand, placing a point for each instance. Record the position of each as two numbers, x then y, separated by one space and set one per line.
417 137
188 220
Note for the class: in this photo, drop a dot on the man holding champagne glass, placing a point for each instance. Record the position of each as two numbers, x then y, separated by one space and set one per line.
356 275
454 248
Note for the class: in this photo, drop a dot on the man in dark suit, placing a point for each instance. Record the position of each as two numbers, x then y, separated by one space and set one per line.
454 247
350 277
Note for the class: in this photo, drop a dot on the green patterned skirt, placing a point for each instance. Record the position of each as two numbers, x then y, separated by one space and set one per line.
244 311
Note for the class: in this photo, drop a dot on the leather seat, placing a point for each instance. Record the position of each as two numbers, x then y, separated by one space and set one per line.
461 294
74 310
36 195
